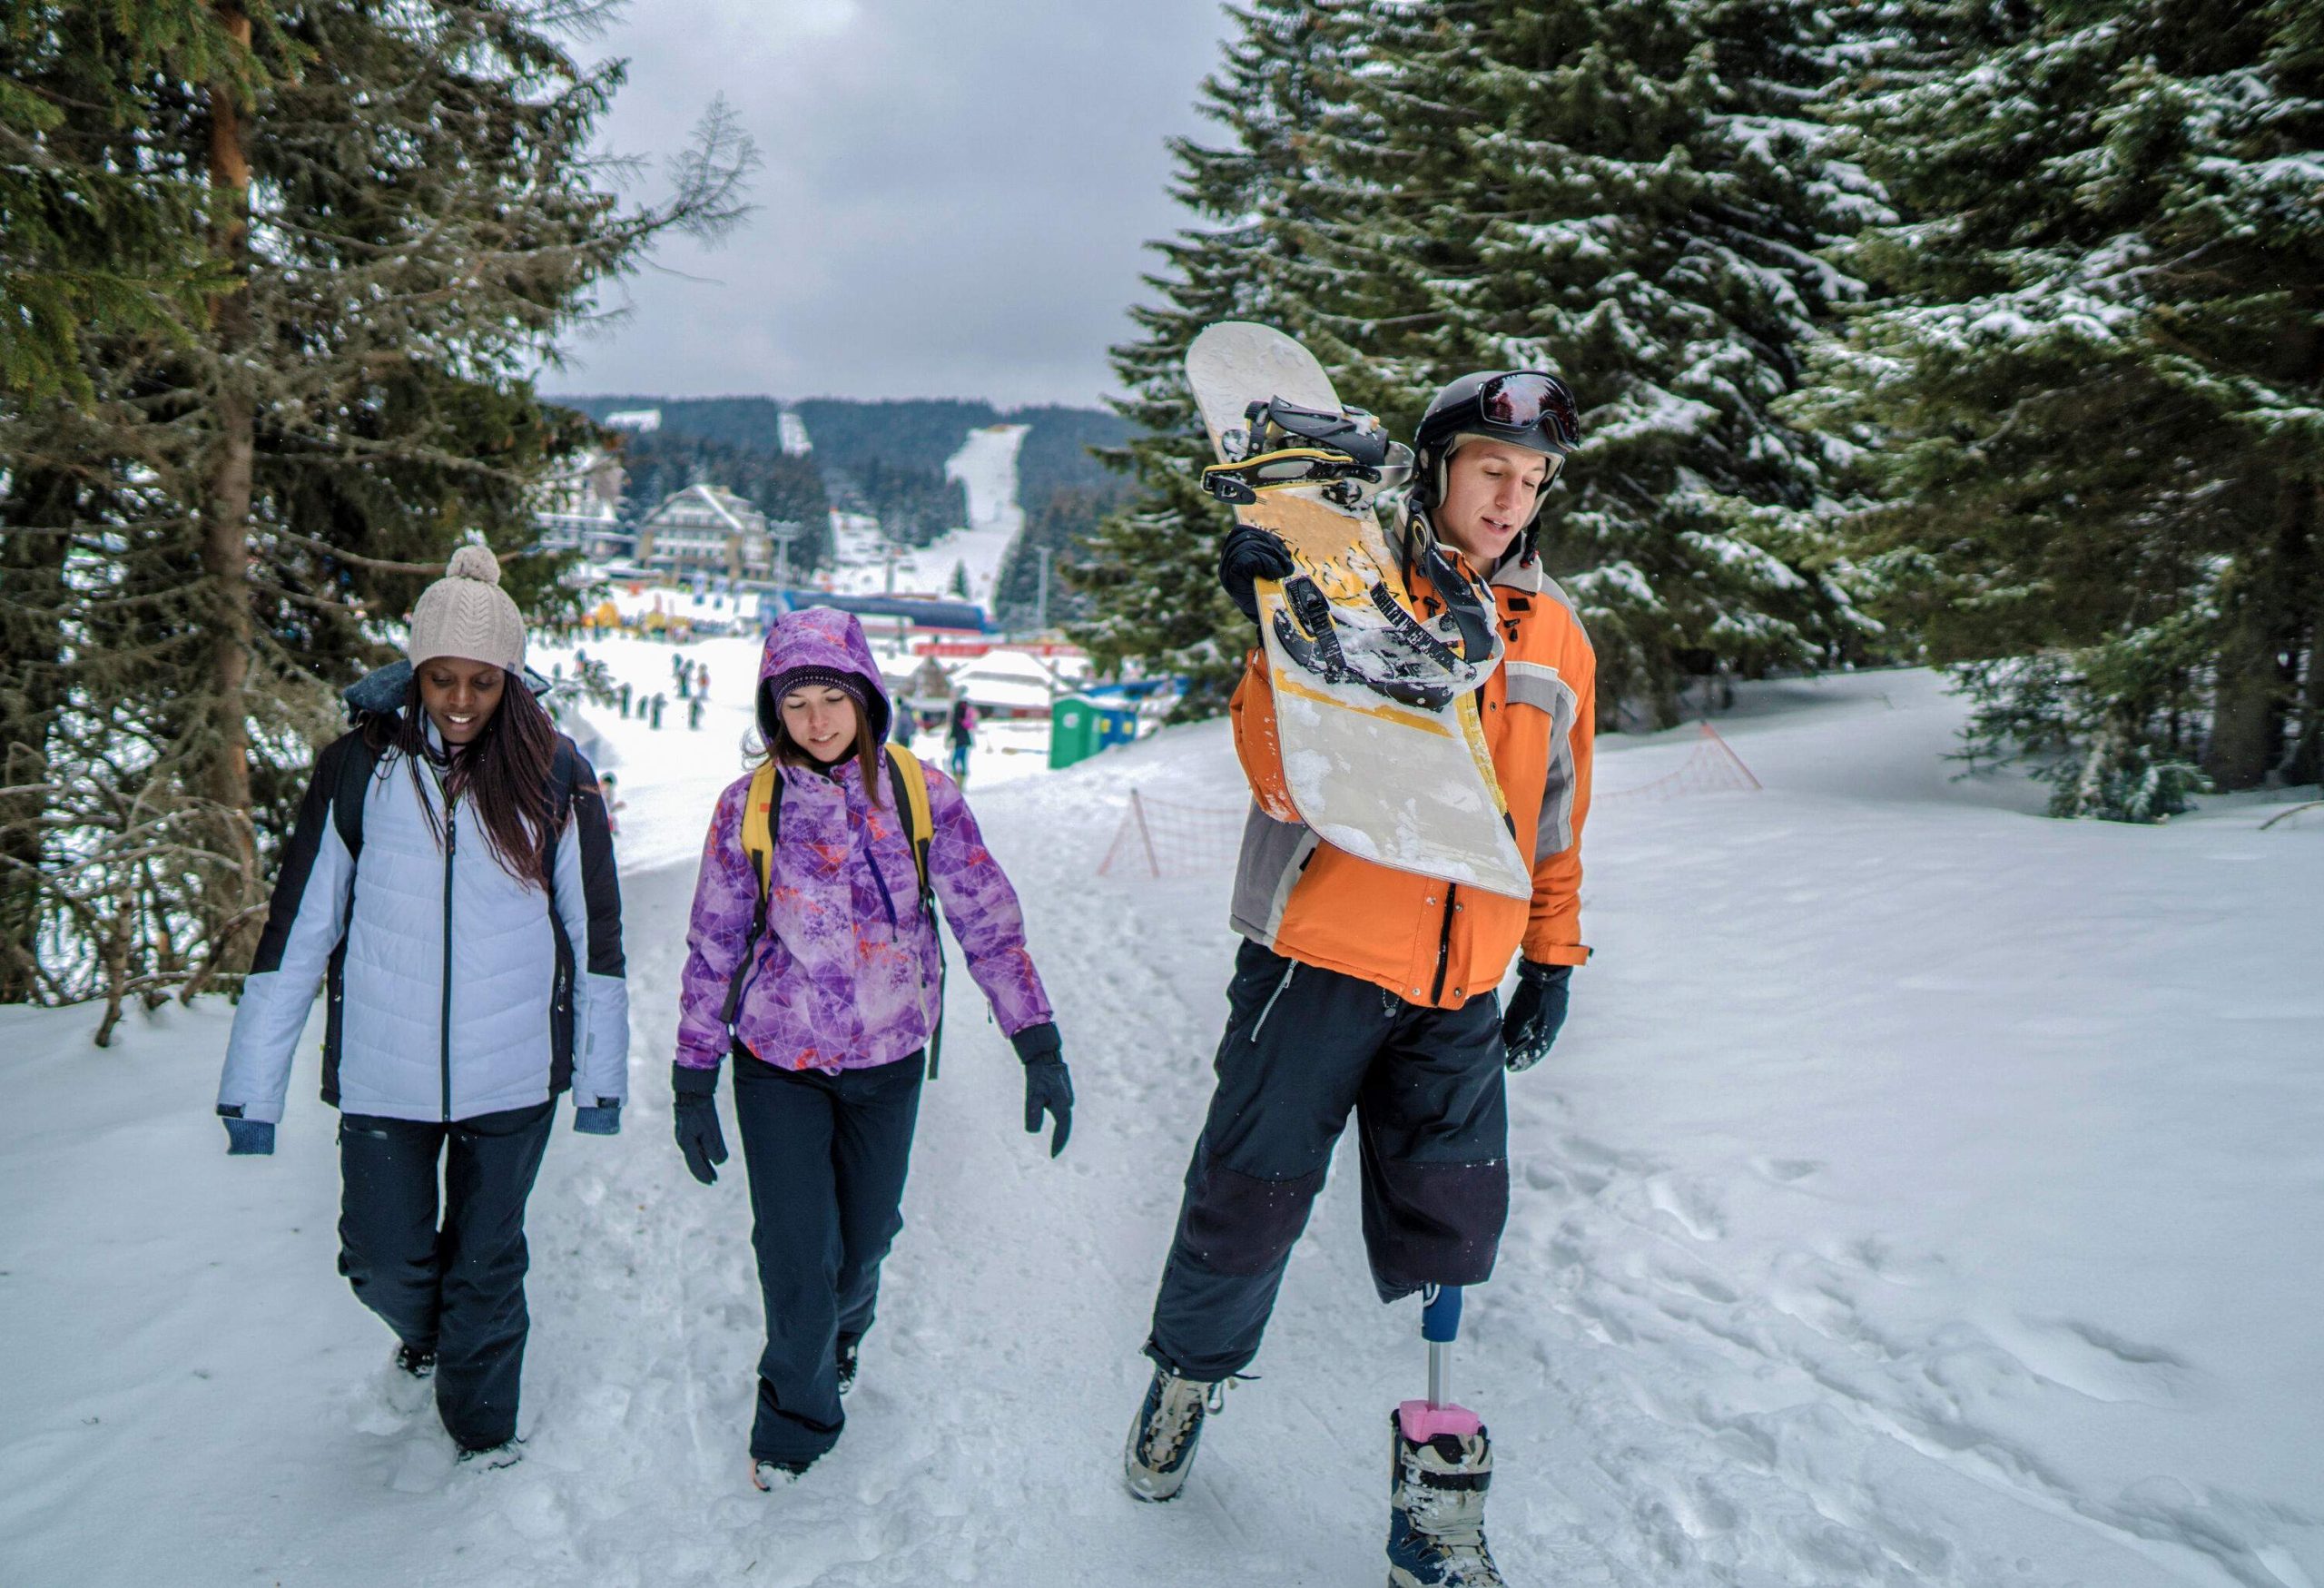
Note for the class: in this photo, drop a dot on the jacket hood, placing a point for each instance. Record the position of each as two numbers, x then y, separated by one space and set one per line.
827 638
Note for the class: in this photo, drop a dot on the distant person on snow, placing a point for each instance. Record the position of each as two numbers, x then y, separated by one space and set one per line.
610 794
1358 987
961 736
824 978
452 876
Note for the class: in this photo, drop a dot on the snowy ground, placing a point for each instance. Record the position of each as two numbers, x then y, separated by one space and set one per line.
986 466
1923 1192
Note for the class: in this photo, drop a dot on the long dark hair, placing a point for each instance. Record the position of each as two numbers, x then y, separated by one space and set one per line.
502 771
788 752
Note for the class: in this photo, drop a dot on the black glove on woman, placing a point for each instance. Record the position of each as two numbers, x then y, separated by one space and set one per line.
695 1118
1536 1011
1049 1089
1251 553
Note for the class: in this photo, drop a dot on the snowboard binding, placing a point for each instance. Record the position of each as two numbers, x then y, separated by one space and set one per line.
1282 443
1405 662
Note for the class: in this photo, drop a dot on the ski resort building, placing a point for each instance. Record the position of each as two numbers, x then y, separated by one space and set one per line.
580 510
706 530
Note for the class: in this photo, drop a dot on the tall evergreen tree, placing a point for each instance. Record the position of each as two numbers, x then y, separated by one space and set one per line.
1148 570
396 212
2091 391
1631 195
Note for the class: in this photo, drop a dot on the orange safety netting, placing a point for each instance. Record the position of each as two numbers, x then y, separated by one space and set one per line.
1714 767
1162 838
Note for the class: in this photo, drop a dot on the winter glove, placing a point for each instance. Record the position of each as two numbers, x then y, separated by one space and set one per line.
603 1120
248 1138
1049 1089
1251 553
695 1118
1536 1011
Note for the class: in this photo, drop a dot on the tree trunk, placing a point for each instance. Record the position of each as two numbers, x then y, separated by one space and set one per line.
222 764
2304 760
2252 696
32 689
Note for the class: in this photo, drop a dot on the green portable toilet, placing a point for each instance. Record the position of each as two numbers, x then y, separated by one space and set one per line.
1073 730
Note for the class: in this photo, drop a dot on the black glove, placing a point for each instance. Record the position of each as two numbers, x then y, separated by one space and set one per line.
695 1120
1536 1011
1251 553
1049 1089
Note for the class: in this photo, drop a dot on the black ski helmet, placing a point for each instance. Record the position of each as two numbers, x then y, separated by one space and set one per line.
1525 408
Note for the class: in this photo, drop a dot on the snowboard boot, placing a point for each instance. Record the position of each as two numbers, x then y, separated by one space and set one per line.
417 1361
844 1361
1437 1484
1161 1450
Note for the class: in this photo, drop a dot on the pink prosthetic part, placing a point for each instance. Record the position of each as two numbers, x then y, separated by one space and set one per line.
1421 1422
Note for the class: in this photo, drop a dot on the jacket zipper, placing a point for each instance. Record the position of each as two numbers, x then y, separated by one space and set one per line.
1444 947
452 846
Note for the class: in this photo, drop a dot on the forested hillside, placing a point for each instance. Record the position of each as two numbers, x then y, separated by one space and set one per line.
886 458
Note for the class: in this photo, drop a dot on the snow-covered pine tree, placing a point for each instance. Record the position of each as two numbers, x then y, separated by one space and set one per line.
395 209
2092 383
71 190
1149 570
1631 195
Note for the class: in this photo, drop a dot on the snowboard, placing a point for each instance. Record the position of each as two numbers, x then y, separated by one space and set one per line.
1375 705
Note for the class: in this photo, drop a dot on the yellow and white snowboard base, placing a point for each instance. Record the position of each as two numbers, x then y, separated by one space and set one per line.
1393 781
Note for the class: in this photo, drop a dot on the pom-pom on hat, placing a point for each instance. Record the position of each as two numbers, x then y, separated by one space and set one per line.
467 614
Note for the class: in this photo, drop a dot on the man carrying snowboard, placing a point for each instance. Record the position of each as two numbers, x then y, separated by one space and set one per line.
1359 987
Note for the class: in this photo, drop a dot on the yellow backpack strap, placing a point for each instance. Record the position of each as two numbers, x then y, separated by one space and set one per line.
762 820
909 780
759 821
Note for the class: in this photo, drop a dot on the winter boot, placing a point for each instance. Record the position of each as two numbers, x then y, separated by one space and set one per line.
844 1360
492 1457
417 1361
1437 1484
765 1475
1161 1450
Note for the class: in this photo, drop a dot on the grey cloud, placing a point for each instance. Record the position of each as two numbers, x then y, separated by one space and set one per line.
954 200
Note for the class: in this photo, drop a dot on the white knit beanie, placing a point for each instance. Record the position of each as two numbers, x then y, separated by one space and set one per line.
467 614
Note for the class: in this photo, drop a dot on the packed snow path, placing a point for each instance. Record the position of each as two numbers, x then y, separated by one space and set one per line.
1921 1193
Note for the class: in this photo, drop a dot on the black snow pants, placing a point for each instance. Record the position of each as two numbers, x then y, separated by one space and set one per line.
827 1155
456 1289
1302 1047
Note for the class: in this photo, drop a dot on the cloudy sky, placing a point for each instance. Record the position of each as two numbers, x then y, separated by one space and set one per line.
953 198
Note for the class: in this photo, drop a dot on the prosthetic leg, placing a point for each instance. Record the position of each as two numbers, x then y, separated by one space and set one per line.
1441 1467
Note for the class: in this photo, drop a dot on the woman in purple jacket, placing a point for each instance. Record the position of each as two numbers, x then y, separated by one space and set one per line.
839 995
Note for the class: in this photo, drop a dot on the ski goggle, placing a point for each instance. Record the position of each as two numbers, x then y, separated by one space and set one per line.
1527 400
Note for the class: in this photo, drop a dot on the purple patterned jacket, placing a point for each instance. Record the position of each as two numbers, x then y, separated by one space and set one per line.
846 975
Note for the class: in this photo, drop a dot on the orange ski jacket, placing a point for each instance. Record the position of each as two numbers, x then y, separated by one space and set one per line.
1431 943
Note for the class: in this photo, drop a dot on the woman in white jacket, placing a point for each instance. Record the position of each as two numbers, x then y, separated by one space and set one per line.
451 879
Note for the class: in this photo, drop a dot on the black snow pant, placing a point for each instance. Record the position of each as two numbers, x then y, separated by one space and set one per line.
459 1289
1302 1047
827 1155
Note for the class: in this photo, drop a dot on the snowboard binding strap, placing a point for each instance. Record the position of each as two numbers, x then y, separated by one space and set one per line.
1350 432
1239 483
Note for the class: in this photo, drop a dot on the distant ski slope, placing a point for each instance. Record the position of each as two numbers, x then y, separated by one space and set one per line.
986 466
